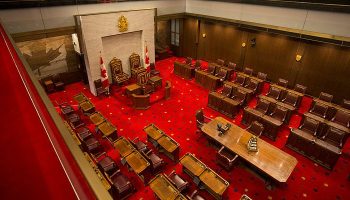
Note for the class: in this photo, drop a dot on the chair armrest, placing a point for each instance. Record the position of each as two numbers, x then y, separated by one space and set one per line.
199 122
208 118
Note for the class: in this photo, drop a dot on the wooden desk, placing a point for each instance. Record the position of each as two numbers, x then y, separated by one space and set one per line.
183 70
332 108
123 146
214 183
97 118
215 101
108 130
80 98
192 166
170 147
156 81
250 115
163 188
138 164
132 89
153 134
211 82
269 159
87 107
218 67
200 77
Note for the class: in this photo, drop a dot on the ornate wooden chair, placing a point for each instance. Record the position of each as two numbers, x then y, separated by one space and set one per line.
118 76
143 82
135 65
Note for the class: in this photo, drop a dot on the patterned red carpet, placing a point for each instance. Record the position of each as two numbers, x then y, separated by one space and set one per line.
176 117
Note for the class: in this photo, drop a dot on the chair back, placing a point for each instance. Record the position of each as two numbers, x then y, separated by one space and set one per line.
116 66
142 78
300 88
232 65
248 71
325 97
346 104
252 84
240 80
220 62
135 61
199 117
222 74
282 82
280 113
310 125
98 83
342 118
239 95
188 60
256 128
274 92
227 90
319 109
262 76
335 137
291 99
262 106
211 68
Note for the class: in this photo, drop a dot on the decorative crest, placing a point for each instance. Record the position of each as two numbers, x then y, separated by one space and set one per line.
122 24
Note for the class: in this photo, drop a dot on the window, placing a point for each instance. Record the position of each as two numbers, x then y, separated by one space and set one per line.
175 32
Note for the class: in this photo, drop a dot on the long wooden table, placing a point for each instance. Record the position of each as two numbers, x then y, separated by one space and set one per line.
269 159
206 80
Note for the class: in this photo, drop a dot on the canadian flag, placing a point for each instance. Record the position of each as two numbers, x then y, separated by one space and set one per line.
147 59
104 75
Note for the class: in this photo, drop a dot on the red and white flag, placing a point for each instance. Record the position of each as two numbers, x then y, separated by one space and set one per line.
104 75
147 59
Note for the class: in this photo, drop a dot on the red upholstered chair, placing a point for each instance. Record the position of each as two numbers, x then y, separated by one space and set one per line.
222 74
226 158
198 65
83 133
99 88
220 62
201 119
280 113
156 162
248 71
94 147
121 185
211 69
227 90
262 106
319 110
346 104
282 82
232 65
310 126
274 92
108 165
256 128
240 96
325 97
139 145
300 88
291 99
74 120
189 61
342 118
335 137
262 76
240 80
179 182
252 85
195 196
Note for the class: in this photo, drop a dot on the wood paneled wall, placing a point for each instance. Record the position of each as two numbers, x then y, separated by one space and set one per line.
323 67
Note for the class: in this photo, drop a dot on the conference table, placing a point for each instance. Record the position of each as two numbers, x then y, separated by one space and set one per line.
268 159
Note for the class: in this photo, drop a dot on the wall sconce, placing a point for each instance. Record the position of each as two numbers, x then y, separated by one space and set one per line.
243 44
204 35
298 57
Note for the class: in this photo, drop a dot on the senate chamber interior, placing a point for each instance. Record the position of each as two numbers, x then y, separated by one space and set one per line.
175 99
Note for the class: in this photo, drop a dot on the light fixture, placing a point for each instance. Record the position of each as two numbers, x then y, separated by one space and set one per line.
298 57
243 44
204 35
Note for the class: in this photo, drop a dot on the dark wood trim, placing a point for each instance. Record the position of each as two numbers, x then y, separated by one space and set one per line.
34 35
170 16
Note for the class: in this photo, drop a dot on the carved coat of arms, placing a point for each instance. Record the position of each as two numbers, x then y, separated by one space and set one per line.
122 24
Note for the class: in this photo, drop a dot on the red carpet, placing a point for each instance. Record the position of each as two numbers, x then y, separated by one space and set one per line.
176 117
30 168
